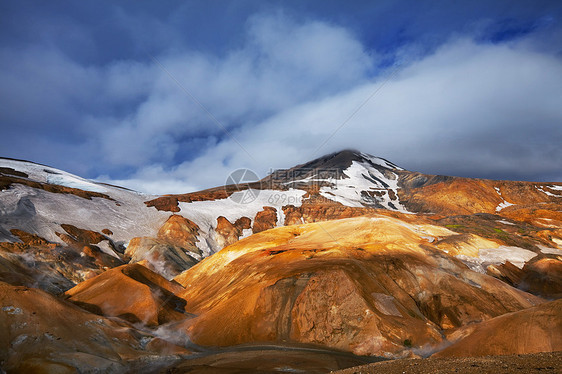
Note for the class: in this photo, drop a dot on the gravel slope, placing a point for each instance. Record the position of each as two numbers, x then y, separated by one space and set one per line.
521 364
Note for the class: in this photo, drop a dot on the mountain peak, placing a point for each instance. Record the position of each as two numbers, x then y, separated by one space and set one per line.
345 158
330 166
350 177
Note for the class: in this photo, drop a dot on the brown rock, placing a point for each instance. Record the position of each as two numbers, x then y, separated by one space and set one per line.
131 292
170 202
83 236
532 330
265 219
166 259
507 272
228 233
332 311
543 277
49 266
181 232
293 215
164 203
172 252
31 239
7 181
455 195
243 223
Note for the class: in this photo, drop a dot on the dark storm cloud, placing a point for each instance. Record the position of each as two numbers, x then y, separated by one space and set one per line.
477 91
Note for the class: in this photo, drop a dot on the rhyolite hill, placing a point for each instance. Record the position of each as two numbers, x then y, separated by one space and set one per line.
345 256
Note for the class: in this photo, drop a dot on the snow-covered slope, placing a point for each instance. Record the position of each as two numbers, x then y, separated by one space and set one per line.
40 211
49 175
30 206
366 185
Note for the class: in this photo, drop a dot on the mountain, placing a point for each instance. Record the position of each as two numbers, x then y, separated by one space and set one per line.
366 285
346 253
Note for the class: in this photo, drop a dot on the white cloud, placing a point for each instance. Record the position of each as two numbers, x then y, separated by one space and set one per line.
282 64
467 108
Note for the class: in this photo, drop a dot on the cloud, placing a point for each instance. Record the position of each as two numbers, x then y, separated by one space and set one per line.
192 95
476 109
469 106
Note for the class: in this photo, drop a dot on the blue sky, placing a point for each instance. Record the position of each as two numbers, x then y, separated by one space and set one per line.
171 96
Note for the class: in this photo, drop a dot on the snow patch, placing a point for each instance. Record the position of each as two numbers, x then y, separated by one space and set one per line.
246 233
205 213
547 192
19 339
379 161
74 182
366 178
504 204
550 251
496 256
46 174
40 212
555 188
505 222
106 248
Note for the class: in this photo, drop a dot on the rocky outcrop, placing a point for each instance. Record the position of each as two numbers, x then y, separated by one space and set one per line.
92 244
32 239
332 310
41 333
164 203
131 292
228 233
172 251
36 262
181 232
533 330
7 181
170 202
542 277
166 259
265 219
455 195
316 208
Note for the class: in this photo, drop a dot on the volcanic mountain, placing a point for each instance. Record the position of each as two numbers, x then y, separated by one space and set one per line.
344 256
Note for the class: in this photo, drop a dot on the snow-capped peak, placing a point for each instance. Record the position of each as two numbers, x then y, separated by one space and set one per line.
365 184
379 161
